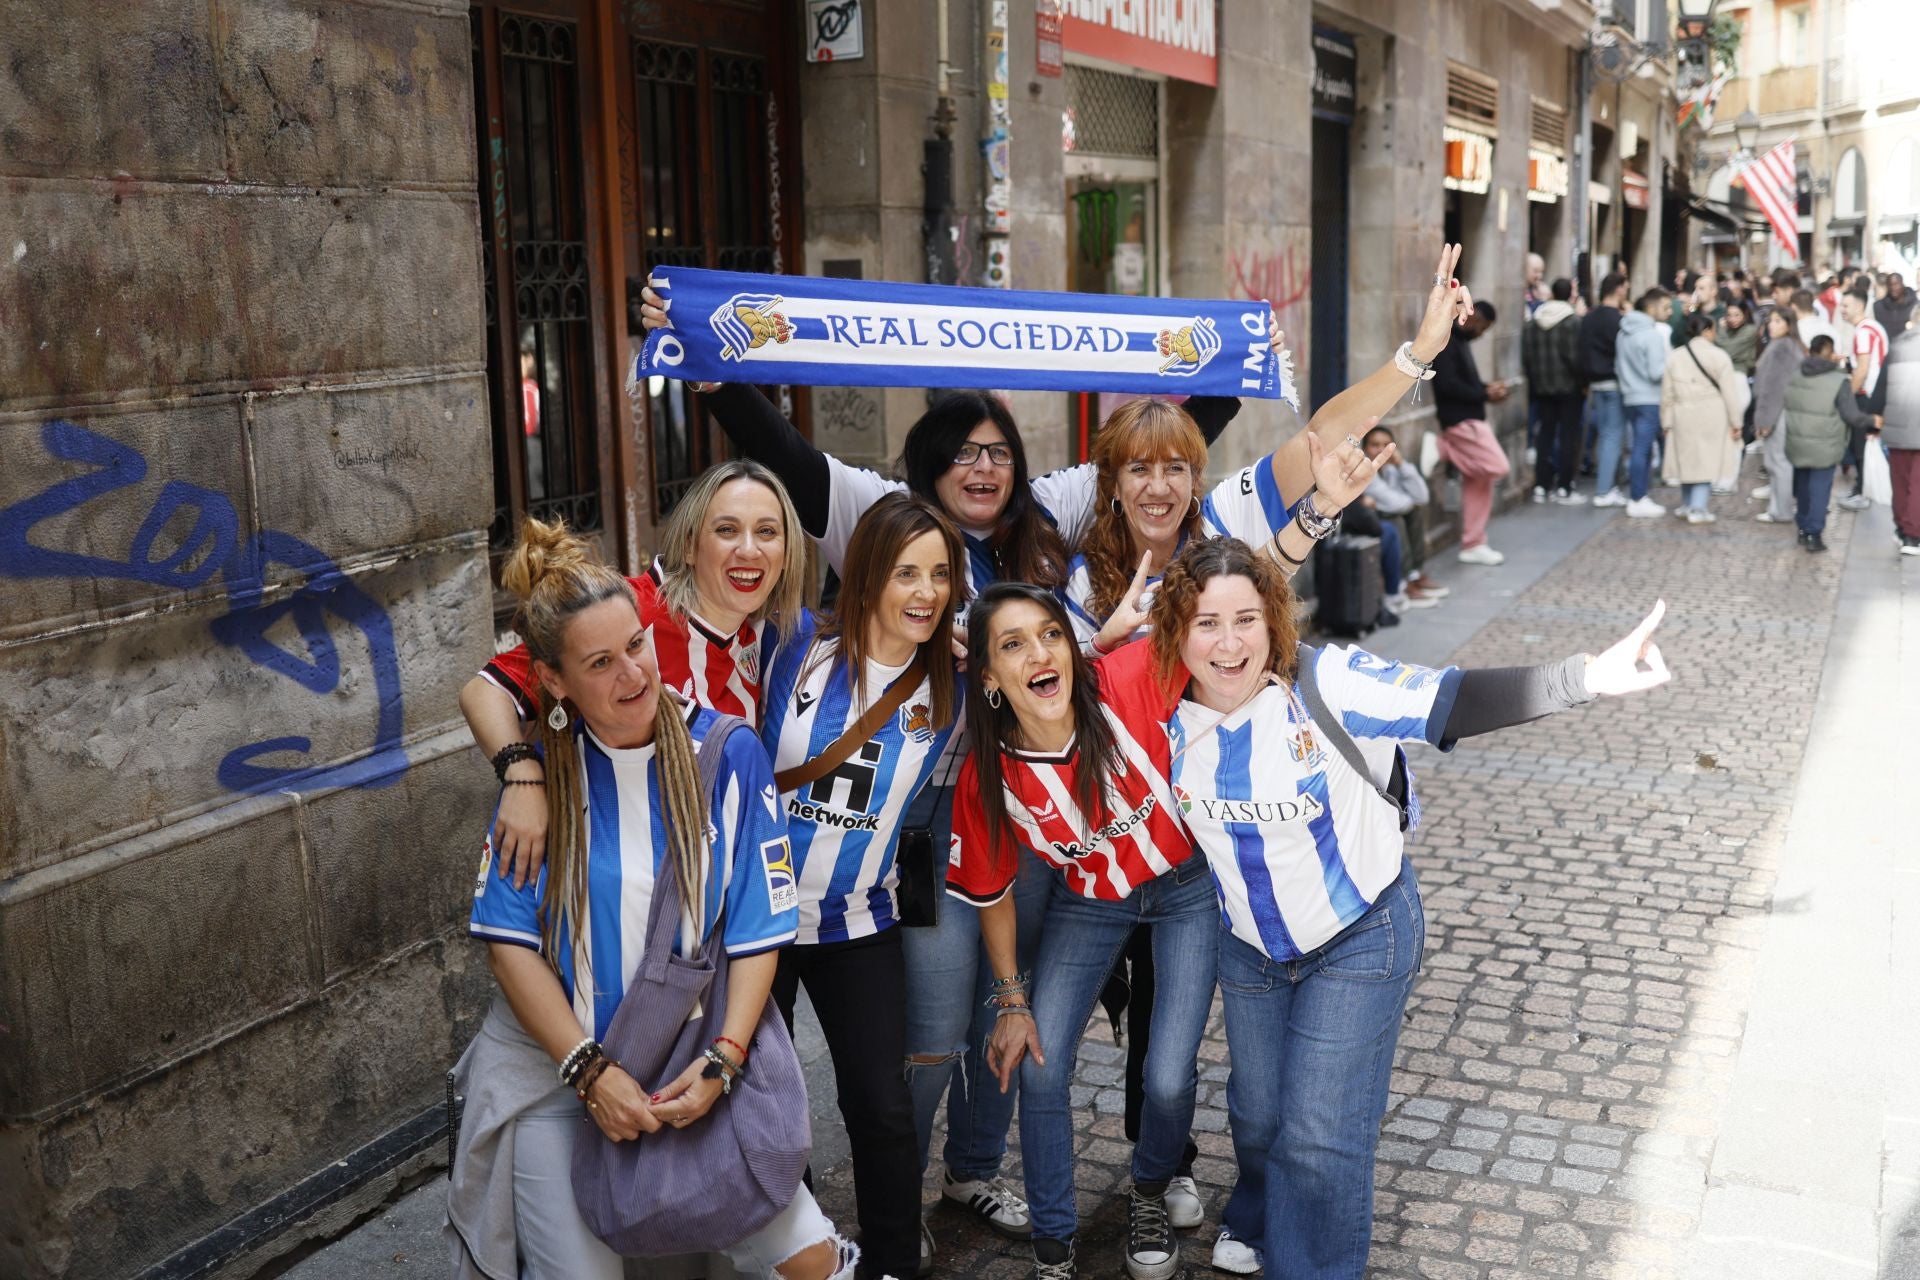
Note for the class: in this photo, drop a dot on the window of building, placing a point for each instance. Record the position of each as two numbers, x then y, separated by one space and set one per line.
527 100
1849 186
1902 186
1794 25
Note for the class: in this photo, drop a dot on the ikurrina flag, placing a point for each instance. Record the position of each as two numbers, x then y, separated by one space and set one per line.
727 326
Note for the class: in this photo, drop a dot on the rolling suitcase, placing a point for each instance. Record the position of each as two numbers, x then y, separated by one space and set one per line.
1346 572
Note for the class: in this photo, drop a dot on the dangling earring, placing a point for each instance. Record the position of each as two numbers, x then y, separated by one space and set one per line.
993 698
558 719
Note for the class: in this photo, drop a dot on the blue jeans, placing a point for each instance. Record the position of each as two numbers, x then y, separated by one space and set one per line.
947 1015
1081 939
1695 495
1392 558
1645 421
1812 490
1608 429
1312 1045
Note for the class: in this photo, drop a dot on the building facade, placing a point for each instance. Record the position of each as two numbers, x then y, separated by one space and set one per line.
310 303
1838 79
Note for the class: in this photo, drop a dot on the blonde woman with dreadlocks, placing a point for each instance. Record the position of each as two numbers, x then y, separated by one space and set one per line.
623 794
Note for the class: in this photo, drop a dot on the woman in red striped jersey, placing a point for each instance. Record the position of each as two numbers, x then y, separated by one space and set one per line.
1070 760
731 565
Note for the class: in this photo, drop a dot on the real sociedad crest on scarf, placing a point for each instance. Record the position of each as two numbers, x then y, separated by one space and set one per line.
746 321
728 326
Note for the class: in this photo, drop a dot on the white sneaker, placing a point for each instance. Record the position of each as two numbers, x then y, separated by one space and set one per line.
1752 446
1762 494
993 1202
1183 1203
1722 489
1236 1256
1698 515
1568 498
1767 517
1611 498
1539 493
1856 502
1482 554
1645 509
926 1252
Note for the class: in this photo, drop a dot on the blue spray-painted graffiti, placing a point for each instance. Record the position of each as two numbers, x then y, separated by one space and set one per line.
214 546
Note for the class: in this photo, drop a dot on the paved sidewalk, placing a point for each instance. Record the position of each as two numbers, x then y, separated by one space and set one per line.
1668 1014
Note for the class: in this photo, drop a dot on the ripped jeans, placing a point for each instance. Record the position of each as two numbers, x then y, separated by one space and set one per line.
947 1015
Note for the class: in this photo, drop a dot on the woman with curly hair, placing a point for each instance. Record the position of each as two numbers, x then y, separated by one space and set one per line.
1287 767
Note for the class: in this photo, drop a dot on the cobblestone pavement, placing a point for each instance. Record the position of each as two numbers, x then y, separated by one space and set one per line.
1596 886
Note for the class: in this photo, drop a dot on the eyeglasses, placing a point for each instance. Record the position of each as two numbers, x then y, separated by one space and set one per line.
1001 455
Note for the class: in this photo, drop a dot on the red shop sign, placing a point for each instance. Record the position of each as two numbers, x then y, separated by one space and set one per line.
1177 38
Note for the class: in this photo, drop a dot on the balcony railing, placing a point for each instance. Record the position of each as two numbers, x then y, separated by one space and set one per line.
1771 93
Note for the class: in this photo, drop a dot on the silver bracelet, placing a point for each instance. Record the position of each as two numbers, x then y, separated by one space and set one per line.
1412 365
1311 522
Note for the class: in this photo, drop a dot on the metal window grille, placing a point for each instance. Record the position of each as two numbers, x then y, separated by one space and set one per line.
1549 131
1109 114
1473 100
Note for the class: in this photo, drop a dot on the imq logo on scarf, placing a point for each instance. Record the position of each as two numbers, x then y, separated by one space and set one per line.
726 326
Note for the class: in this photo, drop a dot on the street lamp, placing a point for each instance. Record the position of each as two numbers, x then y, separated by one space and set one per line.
1693 54
1746 130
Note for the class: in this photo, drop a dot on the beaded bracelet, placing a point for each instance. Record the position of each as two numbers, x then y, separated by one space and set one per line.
576 1058
511 754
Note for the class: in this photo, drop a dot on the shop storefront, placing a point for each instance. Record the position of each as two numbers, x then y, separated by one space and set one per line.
1112 136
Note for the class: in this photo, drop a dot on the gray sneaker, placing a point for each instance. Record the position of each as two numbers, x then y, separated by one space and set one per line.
1856 502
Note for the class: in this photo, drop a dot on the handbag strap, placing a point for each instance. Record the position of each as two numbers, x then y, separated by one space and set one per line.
859 731
1694 356
1336 732
663 921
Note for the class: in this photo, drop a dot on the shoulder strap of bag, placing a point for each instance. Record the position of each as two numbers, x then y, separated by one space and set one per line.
1695 357
662 922
858 732
1331 727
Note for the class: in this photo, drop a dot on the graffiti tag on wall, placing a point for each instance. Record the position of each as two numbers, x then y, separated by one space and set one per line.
214 546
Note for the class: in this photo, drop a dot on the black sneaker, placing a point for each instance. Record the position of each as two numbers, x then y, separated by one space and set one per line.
1152 1251
1053 1260
1814 544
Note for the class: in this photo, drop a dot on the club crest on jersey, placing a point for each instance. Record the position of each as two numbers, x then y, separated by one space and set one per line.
1305 748
748 662
916 721
776 859
746 321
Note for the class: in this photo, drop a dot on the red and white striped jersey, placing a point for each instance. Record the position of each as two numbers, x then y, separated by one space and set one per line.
1141 836
718 671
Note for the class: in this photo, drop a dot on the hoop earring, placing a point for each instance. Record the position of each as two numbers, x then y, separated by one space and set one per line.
558 719
1115 504
993 698
1196 507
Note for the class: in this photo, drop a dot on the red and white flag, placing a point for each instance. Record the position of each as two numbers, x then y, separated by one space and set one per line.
1772 183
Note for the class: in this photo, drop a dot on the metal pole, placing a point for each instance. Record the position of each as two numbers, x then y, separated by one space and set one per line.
1577 196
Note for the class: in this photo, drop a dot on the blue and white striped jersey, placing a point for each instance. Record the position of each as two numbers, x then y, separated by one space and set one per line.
1065 497
1246 505
751 872
1299 844
845 826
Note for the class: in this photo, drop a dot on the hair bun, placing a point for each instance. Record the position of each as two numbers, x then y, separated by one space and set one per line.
544 548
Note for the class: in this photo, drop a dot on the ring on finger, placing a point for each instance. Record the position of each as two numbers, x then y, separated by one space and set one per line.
1353 444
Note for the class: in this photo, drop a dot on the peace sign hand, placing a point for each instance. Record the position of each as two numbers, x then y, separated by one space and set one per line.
1617 671
1129 614
1448 303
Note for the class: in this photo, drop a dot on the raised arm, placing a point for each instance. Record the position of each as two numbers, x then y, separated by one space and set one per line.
1448 303
1500 697
758 431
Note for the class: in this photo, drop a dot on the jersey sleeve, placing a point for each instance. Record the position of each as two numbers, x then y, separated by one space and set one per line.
512 673
763 893
1384 700
1247 505
850 491
1075 596
972 875
1130 684
1068 496
502 913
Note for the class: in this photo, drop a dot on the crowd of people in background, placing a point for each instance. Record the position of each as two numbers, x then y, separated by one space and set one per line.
1817 377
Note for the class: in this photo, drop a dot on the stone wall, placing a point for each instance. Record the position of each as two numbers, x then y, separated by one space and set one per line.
243 396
